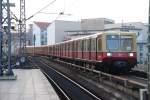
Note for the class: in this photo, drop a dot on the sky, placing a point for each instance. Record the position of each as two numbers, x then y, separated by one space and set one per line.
117 10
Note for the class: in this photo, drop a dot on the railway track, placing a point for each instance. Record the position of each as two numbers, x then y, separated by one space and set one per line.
68 89
130 84
135 78
139 74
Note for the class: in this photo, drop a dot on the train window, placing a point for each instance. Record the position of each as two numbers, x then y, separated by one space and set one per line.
79 45
112 42
70 46
88 45
85 45
99 44
93 44
66 47
76 45
126 43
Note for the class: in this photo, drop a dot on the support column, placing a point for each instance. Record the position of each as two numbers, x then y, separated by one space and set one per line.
1 33
149 53
10 72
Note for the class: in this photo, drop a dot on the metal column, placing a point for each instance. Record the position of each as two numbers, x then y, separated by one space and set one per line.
22 29
149 54
5 39
1 32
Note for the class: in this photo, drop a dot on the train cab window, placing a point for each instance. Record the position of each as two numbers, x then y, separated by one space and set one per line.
126 43
112 42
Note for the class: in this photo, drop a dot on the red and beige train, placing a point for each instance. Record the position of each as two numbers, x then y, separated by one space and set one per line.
107 51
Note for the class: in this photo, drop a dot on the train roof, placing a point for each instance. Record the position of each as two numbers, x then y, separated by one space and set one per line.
86 37
94 36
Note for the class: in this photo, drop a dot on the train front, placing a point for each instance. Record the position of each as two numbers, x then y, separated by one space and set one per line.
120 53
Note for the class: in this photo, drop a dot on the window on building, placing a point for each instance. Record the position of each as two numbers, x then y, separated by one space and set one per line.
141 47
138 33
43 37
141 54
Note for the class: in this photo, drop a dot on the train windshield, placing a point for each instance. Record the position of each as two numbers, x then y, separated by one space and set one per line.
125 43
116 43
113 42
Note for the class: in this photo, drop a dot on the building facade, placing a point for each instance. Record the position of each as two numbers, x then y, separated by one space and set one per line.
39 32
57 30
44 33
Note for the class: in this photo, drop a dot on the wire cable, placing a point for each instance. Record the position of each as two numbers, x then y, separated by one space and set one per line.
41 9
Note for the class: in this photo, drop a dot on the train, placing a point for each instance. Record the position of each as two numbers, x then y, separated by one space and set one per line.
112 52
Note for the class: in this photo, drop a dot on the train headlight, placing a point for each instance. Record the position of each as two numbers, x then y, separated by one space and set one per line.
109 54
131 54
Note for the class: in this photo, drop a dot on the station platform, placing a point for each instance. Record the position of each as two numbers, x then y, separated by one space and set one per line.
31 84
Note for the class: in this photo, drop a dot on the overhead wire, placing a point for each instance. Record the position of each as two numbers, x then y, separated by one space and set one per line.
41 9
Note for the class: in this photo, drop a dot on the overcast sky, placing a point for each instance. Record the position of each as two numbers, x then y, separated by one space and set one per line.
118 10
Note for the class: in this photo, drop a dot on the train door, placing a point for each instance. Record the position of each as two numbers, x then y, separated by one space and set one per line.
99 53
93 49
86 49
75 49
79 52
71 49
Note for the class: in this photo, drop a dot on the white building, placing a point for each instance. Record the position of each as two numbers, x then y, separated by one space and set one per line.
40 33
57 30
51 33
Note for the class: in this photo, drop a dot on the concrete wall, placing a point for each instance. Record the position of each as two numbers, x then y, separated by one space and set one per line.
51 34
95 23
62 27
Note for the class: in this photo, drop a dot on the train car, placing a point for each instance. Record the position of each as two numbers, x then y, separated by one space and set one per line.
107 51
117 51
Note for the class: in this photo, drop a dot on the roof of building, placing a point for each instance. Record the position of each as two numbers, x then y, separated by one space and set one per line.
42 25
121 26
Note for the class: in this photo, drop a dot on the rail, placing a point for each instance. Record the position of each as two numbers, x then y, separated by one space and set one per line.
102 75
59 90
